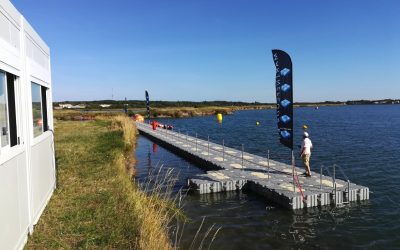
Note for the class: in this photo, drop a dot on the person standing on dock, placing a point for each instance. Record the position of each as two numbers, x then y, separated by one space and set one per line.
305 154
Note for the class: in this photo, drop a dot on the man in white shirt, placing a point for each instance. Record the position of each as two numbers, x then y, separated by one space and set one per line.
305 154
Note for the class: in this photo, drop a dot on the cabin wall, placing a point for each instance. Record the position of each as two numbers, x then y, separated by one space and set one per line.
14 214
42 175
27 170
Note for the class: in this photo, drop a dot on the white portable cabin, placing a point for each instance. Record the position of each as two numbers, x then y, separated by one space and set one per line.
27 164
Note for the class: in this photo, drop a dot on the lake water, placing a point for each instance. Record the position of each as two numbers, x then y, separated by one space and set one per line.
363 140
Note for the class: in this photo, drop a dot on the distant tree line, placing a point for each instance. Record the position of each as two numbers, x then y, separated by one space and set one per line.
119 104
158 104
384 101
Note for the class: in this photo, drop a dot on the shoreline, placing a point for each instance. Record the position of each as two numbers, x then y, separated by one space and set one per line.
169 112
181 112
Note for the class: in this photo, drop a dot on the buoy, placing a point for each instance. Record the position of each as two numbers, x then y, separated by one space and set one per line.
257 123
305 127
139 118
219 117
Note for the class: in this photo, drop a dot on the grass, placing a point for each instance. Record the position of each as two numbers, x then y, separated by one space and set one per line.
96 204
175 112
178 112
81 115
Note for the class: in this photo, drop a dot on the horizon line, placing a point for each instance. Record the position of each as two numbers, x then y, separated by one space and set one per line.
247 102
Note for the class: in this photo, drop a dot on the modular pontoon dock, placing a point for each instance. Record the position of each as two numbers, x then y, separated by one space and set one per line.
230 169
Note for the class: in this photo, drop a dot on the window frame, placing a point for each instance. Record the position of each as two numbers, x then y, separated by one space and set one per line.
43 135
45 112
41 110
8 152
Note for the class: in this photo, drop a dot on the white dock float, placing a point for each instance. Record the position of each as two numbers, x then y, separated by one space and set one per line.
230 169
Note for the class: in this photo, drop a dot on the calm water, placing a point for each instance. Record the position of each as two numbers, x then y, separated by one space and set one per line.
363 140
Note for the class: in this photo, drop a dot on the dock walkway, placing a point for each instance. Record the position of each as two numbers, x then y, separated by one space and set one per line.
231 169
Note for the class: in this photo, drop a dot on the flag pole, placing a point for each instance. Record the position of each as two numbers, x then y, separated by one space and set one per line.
294 186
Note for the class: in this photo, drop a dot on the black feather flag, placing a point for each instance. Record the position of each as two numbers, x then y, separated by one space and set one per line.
147 104
284 96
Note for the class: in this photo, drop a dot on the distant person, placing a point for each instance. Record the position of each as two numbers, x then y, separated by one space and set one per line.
305 154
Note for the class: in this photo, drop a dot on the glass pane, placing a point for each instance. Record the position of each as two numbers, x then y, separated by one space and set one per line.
37 110
3 111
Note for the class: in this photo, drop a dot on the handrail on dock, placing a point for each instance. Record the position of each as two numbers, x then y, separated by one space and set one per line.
276 185
182 136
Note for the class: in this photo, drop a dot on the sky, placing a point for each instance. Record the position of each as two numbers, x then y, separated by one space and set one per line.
218 49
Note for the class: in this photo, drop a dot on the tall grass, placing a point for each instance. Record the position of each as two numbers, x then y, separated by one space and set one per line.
96 204
159 186
159 210
128 128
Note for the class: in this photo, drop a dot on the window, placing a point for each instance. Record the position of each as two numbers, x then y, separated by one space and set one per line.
39 109
12 109
3 110
8 119
44 108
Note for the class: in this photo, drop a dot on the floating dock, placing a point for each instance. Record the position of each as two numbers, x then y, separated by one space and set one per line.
230 169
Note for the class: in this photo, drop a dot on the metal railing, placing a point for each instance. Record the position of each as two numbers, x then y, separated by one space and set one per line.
208 147
199 143
333 175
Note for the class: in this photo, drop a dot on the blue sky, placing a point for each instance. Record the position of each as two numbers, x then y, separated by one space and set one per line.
218 49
